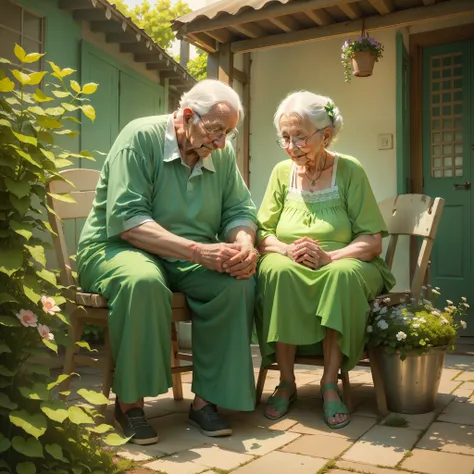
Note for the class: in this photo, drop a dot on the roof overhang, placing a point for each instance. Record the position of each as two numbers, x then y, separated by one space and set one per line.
262 24
119 29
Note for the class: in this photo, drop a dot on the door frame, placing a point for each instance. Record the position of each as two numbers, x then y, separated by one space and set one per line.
417 43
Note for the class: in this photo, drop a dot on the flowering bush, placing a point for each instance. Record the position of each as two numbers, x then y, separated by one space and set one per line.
415 324
38 432
359 45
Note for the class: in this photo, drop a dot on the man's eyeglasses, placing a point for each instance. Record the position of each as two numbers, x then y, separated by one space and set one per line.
217 134
299 142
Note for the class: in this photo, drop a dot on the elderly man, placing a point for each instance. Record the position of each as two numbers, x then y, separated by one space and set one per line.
172 213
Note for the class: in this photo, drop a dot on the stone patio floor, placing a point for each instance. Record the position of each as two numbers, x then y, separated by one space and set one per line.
439 442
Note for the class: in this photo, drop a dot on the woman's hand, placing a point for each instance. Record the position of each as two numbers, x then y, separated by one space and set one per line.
305 251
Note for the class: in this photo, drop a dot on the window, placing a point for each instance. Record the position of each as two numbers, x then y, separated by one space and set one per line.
19 26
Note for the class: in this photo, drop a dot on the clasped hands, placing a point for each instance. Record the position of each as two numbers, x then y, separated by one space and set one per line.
308 252
238 260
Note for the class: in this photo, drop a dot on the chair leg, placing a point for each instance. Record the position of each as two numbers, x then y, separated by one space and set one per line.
346 390
176 376
75 333
262 376
108 367
378 384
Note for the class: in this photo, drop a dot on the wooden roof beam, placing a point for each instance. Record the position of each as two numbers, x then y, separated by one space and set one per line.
440 11
221 35
160 66
106 26
76 4
321 17
92 14
286 23
352 10
384 7
249 29
122 37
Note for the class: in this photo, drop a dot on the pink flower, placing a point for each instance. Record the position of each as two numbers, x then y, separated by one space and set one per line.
27 318
49 305
115 460
44 332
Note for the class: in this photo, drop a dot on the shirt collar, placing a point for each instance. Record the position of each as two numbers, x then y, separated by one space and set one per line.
171 151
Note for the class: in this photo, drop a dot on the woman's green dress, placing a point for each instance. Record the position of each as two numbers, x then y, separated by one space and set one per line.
296 304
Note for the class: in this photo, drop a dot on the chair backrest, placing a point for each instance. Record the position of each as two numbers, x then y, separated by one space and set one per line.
80 184
413 215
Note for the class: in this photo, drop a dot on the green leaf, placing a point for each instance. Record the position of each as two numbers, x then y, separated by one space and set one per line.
30 447
56 452
49 123
73 119
18 188
24 229
20 204
9 322
19 53
95 398
62 163
26 156
6 85
32 58
37 110
26 139
75 86
4 349
68 132
40 96
26 468
55 111
89 111
5 123
66 71
55 410
35 425
21 77
31 288
113 439
69 107
39 369
100 429
48 276
38 391
6 372
49 228
79 417
5 402
61 94
85 345
60 380
63 197
50 345
11 260
37 252
4 444
7 298
48 154
36 78
89 88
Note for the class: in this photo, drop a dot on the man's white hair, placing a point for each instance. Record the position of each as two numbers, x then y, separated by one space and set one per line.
207 93
306 104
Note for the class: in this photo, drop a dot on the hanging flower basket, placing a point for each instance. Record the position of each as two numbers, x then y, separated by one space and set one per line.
359 56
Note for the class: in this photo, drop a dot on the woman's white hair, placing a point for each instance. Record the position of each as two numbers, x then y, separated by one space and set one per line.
306 104
207 93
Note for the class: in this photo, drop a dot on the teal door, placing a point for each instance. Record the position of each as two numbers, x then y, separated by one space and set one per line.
100 134
448 149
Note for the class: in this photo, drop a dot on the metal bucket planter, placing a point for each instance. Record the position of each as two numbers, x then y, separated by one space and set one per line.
411 386
363 64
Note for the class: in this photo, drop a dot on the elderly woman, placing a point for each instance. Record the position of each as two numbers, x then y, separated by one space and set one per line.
320 234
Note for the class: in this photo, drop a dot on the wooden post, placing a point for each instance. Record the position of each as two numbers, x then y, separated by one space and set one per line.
212 65
183 53
226 64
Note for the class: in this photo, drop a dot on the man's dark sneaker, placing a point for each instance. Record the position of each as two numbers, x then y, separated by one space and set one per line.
133 423
208 420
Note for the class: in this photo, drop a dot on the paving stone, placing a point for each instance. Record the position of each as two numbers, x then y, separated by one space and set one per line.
382 445
460 413
468 386
417 422
283 463
448 386
253 440
449 437
450 374
137 453
139 470
433 462
215 457
462 395
365 468
466 376
319 446
315 425
175 465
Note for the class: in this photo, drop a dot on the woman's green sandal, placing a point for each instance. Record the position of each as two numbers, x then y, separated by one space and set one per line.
279 404
333 408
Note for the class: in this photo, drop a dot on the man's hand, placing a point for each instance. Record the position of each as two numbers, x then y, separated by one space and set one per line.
212 256
307 252
244 264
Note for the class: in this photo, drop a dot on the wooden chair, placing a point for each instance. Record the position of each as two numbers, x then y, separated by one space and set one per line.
91 308
415 215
